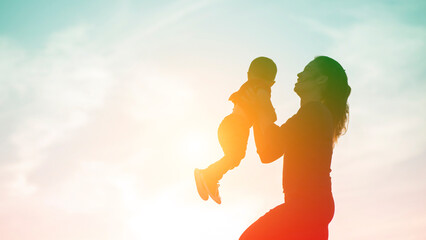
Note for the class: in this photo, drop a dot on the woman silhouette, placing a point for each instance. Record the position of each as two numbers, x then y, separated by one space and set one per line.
306 140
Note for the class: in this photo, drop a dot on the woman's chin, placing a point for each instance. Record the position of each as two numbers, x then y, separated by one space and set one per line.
297 91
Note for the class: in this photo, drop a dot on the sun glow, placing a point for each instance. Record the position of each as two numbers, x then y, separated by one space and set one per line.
195 145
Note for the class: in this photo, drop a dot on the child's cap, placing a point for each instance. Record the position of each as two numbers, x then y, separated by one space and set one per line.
263 67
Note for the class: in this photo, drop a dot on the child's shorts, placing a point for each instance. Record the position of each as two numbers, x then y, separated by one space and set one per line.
233 135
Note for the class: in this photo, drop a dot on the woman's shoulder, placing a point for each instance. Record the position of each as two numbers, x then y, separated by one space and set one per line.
314 107
316 111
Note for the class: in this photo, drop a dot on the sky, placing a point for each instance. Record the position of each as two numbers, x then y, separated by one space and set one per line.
106 108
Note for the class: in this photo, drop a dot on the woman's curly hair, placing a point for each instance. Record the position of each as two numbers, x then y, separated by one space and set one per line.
336 93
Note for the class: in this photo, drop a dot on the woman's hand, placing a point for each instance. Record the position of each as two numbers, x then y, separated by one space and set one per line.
256 97
260 100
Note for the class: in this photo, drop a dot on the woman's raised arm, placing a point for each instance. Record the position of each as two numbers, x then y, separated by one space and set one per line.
267 134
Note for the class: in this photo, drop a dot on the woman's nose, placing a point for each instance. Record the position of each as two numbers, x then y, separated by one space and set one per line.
298 75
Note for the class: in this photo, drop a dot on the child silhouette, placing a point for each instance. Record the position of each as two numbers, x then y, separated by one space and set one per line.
234 129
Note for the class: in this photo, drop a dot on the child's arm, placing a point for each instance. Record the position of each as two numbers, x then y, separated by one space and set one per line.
243 105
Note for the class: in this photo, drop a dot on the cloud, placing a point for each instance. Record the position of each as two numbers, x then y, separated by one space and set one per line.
49 94
82 134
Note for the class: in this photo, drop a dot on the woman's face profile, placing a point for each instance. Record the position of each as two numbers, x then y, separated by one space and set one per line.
307 80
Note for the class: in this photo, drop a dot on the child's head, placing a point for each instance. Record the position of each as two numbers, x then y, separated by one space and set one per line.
262 68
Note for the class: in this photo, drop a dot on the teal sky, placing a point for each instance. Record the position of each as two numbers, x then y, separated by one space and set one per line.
30 22
108 106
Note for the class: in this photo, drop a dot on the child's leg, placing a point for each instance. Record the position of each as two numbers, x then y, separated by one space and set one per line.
233 135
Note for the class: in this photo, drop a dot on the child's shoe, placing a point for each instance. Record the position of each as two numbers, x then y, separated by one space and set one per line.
207 185
213 190
202 191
